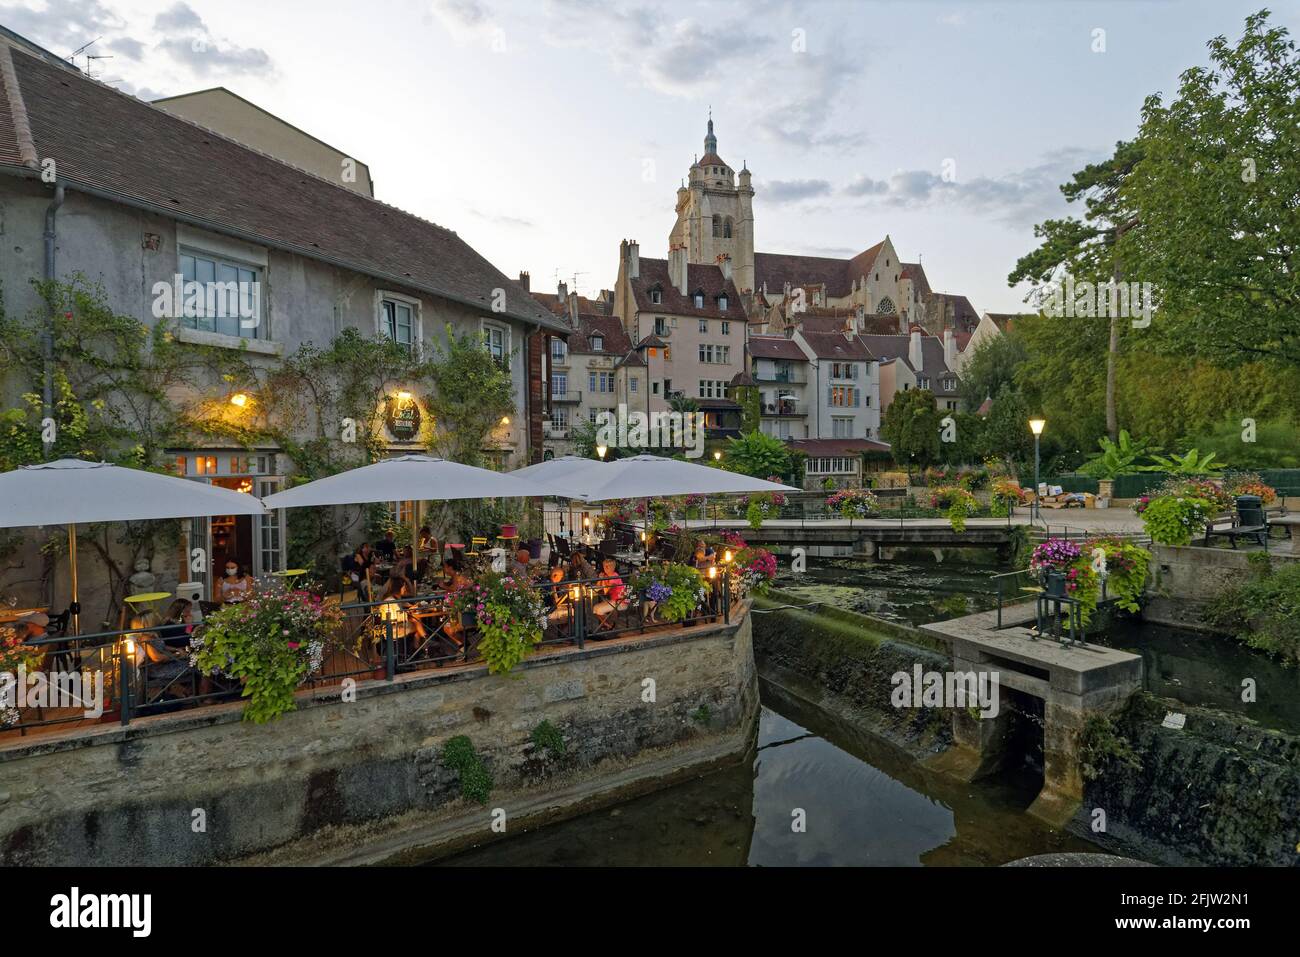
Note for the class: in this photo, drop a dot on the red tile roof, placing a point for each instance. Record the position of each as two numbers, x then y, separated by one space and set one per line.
836 275
699 276
616 341
914 272
122 149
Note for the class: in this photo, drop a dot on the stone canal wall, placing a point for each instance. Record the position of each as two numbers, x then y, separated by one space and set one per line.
336 781
1184 577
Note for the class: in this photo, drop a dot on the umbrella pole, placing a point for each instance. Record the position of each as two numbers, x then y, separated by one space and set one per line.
415 539
645 533
74 606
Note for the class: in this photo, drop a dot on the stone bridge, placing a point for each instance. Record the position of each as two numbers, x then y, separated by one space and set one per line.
875 538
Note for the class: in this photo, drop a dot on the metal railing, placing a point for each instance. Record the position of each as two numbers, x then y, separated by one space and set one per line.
141 674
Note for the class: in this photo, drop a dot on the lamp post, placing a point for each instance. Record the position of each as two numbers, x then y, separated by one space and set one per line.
1036 426
601 450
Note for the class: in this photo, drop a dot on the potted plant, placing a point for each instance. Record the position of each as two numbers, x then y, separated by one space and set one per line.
676 590
533 533
511 618
1051 562
270 642
467 602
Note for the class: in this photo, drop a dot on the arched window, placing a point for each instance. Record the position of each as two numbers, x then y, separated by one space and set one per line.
717 226
886 307
726 228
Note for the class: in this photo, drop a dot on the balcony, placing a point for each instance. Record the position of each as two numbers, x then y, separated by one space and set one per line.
783 377
782 409
567 396
556 431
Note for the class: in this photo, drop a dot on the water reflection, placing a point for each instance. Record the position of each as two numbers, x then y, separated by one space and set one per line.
864 803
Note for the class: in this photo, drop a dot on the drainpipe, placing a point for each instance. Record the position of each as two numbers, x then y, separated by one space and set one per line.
47 338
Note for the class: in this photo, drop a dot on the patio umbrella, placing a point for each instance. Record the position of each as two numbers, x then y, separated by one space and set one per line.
407 478
72 492
652 476
553 472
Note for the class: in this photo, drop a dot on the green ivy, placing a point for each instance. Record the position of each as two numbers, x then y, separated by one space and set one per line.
475 779
548 737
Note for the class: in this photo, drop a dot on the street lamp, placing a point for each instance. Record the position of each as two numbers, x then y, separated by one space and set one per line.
717 456
1036 426
601 450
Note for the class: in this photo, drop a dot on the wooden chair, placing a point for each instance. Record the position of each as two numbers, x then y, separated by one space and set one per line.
476 544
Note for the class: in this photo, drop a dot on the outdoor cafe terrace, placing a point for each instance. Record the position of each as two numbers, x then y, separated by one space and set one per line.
378 641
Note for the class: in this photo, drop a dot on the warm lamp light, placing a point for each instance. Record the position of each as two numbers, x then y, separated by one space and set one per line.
726 557
643 536
403 396
713 571
1036 426
575 592
586 522
717 456
239 399
505 420
601 450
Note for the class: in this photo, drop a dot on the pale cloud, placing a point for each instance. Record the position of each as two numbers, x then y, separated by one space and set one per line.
793 190
189 41
61 25
1019 198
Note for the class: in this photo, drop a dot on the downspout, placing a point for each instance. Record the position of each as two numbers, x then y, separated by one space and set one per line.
47 338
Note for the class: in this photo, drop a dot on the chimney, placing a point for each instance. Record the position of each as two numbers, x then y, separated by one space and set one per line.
914 351
573 308
949 349
524 280
562 292
724 262
633 260
677 267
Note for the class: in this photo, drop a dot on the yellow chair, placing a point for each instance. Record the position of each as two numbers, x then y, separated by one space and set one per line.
476 544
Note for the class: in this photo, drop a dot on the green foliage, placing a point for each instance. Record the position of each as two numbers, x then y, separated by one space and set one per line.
992 366
1176 519
547 736
1216 193
471 393
757 455
1264 611
1193 463
475 779
1117 458
911 427
1276 445
1005 435
510 622
684 584
1101 743
957 503
270 642
702 714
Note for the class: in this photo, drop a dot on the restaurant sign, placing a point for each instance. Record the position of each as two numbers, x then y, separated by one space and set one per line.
403 418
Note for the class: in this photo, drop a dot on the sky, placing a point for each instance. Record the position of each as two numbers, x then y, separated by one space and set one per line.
546 131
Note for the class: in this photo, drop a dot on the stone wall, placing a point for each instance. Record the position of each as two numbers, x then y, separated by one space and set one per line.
1183 578
130 795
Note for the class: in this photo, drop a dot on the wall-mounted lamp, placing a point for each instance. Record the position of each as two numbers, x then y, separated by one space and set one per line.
239 400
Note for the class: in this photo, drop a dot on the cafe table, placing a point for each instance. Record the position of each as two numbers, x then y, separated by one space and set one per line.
146 598
10 615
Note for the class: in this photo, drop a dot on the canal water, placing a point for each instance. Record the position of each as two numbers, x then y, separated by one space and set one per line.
859 800
910 592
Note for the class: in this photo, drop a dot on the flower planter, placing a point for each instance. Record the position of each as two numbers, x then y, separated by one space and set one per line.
509 531
468 619
534 548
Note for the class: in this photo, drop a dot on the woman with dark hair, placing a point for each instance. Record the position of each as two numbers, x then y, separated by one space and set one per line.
180 624
236 585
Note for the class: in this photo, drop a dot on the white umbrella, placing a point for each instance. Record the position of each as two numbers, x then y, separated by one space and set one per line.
651 476
554 471
72 492
406 478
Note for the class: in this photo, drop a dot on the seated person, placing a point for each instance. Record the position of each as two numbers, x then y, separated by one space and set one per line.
403 563
386 548
704 555
580 569
555 597
448 575
428 544
159 664
236 585
452 627
180 622
610 588
363 560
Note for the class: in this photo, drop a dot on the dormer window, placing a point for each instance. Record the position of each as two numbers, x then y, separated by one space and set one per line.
722 302
597 343
699 299
656 296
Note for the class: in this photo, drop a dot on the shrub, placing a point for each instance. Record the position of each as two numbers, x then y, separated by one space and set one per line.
1263 612
548 736
511 618
675 589
1176 519
475 779
854 503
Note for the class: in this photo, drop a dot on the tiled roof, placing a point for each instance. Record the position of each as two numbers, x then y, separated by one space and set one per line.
834 346
837 275
964 315
775 347
122 149
701 276
1006 320
878 324
555 305
823 448
932 360
616 341
914 272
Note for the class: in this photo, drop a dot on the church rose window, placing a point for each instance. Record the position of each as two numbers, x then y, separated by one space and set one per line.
886 307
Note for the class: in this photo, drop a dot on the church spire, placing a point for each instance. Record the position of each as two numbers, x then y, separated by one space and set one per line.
710 141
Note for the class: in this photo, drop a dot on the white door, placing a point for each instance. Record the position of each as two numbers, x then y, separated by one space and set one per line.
269 530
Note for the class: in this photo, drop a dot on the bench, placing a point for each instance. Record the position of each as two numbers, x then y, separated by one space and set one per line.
1250 521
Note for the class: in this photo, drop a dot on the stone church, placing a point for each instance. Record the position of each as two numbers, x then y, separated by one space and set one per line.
875 290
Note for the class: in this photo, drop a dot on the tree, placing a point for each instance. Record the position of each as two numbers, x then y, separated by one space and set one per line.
992 366
911 427
1087 249
1218 194
1006 431
758 455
